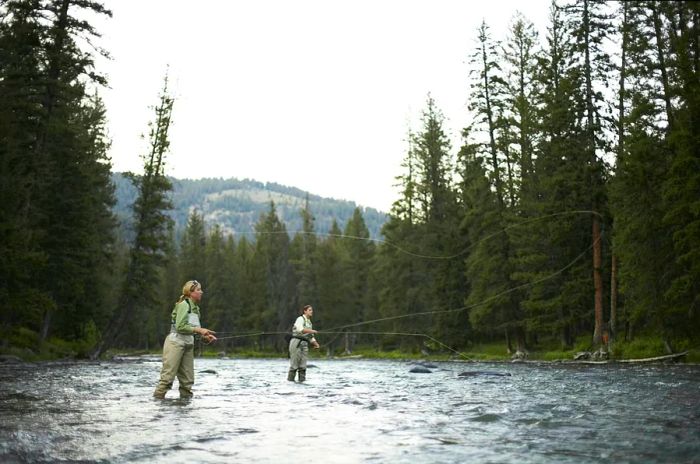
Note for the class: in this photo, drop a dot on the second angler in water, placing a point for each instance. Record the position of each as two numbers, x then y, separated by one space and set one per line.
302 334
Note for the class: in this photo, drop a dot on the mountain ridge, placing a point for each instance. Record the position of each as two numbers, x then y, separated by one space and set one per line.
236 205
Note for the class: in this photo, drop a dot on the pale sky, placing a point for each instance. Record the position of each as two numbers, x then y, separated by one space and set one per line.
317 95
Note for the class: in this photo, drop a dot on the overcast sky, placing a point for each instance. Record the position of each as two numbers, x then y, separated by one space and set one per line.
317 95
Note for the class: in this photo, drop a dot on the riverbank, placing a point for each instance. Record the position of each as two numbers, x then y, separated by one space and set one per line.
640 349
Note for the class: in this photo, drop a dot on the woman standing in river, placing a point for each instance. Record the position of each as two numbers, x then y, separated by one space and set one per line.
302 334
178 349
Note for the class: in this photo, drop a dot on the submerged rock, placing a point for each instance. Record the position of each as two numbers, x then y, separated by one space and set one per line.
420 370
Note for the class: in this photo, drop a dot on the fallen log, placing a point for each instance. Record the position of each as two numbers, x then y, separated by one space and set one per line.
667 357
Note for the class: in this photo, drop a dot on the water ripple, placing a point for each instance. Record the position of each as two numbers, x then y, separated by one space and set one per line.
351 411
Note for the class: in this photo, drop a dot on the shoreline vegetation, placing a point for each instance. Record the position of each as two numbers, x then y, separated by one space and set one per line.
642 351
564 225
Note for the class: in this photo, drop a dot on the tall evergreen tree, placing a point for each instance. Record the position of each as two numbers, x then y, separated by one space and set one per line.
332 286
272 256
193 263
640 240
249 288
220 281
488 104
359 255
681 191
152 231
303 249
591 26
549 259
21 84
53 140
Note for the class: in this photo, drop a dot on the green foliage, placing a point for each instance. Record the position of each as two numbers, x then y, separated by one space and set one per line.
492 244
57 229
639 348
148 255
23 338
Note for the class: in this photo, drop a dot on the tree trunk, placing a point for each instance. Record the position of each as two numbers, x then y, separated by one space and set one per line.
46 324
565 336
613 300
597 283
509 347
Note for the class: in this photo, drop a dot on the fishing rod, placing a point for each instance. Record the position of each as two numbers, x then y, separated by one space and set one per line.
339 329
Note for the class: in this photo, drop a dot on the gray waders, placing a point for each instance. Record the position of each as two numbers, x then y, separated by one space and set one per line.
178 361
298 354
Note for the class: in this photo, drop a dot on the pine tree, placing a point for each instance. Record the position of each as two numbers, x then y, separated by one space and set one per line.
303 248
21 84
152 231
55 246
249 288
332 286
220 281
439 230
640 241
193 264
549 262
401 273
591 26
681 194
272 257
490 261
358 256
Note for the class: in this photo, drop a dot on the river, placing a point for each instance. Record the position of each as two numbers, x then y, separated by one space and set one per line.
351 411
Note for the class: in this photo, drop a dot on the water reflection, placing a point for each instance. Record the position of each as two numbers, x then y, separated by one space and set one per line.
351 411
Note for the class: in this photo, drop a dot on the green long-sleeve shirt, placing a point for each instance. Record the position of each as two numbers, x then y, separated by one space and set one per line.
180 316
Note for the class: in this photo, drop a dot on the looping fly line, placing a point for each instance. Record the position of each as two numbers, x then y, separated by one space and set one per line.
341 329
436 257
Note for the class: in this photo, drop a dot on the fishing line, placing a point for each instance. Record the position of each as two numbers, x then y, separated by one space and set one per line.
423 256
325 332
404 334
505 292
339 329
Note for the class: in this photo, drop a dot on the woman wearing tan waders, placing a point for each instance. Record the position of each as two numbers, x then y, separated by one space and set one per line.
178 349
302 335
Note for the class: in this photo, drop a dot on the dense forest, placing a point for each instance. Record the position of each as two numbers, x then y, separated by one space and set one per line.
235 205
569 216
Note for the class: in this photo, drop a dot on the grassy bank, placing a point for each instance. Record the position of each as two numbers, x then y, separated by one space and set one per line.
643 347
640 348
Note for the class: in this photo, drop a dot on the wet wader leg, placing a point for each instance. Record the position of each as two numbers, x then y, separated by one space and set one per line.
294 359
185 375
172 355
303 357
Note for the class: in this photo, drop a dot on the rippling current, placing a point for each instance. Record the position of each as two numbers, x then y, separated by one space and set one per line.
351 411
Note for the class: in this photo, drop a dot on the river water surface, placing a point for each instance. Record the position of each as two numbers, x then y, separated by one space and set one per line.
350 411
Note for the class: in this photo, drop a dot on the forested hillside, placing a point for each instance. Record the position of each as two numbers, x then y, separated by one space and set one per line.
568 219
236 205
